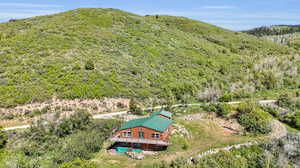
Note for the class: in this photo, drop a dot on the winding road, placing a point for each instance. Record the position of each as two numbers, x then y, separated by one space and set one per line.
110 115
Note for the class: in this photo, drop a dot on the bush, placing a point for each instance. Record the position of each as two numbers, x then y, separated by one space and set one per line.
3 138
42 129
80 145
78 163
89 65
221 110
80 120
297 119
246 107
285 100
238 94
255 121
134 109
227 97
253 156
74 137
269 80
208 94
271 110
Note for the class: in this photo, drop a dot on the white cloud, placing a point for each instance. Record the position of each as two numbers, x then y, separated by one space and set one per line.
28 5
218 7
25 14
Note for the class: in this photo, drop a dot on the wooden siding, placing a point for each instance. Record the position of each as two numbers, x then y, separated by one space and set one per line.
147 133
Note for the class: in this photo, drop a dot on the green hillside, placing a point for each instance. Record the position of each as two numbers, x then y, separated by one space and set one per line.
282 34
94 53
274 30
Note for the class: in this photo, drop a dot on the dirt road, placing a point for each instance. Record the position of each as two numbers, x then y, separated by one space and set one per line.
111 115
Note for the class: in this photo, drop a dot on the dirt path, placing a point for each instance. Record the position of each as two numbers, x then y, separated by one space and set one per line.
111 115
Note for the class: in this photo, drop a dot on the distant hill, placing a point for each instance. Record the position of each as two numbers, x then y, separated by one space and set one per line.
282 34
274 30
95 53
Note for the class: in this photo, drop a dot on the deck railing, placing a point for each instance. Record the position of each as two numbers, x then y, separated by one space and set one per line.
143 141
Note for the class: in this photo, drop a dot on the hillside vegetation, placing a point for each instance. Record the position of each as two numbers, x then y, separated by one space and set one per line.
282 34
274 30
95 53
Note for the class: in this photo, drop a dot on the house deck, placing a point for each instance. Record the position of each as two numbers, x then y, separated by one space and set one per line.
141 141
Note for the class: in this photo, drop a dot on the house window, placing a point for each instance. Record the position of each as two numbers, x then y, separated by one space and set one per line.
155 135
127 134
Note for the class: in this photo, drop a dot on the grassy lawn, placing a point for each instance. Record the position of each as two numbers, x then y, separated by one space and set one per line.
203 135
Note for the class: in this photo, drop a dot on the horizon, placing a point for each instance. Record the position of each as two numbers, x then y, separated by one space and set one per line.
230 15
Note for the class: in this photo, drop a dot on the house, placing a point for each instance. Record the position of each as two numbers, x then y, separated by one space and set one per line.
148 133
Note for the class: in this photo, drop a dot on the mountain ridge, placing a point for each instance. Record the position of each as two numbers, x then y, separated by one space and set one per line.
95 53
282 34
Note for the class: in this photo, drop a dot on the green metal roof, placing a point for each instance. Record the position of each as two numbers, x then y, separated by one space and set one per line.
153 122
163 112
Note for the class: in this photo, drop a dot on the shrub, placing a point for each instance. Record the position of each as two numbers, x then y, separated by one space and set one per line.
106 127
134 109
208 94
288 118
80 145
297 119
18 160
77 67
80 120
252 156
89 65
3 138
269 81
221 110
238 94
285 100
82 138
255 121
226 97
78 163
37 112
271 110
246 107
8 116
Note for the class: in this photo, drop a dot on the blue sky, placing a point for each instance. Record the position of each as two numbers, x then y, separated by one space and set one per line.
230 14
